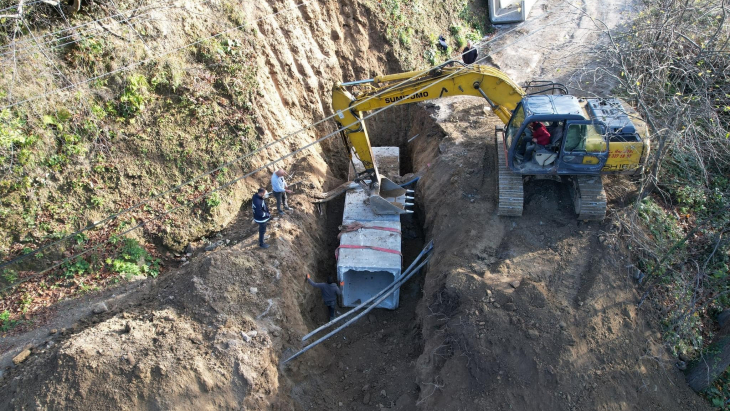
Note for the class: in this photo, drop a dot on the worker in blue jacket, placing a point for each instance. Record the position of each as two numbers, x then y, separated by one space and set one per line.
261 214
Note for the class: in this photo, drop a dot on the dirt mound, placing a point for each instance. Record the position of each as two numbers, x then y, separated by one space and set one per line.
525 313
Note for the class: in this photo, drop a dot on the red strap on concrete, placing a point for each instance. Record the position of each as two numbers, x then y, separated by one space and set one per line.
395 230
347 228
365 247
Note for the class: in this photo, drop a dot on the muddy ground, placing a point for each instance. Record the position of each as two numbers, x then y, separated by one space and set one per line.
537 312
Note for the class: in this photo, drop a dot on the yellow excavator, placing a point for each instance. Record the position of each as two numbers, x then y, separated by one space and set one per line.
588 136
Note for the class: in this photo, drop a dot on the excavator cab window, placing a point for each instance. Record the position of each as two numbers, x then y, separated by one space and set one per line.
514 125
585 148
585 137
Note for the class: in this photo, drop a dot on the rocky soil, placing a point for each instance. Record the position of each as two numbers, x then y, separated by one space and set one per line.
523 313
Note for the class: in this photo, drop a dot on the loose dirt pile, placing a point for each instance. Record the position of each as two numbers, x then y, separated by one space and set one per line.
523 313
536 312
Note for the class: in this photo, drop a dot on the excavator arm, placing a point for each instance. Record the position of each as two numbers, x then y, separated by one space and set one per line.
501 93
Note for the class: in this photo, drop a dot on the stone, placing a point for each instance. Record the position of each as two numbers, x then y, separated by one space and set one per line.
510 307
515 283
253 290
366 398
496 305
562 325
213 246
366 387
22 356
127 328
99 308
489 293
533 334
382 393
245 336
130 358
626 312
53 331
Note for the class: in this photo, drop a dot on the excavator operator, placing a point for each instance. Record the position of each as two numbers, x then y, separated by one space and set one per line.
540 137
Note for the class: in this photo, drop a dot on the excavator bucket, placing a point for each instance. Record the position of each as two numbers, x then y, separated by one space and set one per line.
390 199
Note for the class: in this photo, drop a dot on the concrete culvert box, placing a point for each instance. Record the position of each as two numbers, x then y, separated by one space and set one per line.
369 258
372 265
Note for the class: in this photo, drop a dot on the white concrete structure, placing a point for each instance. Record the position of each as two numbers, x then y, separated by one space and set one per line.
367 269
509 11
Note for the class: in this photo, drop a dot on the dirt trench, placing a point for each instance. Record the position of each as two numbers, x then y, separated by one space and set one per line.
512 313
536 312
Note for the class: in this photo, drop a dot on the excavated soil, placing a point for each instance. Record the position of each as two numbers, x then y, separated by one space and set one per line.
527 313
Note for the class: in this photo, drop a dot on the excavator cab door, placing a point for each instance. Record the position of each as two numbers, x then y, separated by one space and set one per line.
584 149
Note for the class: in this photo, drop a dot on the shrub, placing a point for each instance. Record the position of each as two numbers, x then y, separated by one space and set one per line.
134 260
213 200
6 324
135 96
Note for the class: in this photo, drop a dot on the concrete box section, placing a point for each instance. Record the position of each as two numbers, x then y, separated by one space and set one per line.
366 271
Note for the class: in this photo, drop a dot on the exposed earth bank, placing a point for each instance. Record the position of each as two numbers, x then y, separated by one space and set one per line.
523 313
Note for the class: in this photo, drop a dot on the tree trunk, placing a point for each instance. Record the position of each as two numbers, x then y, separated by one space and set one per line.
704 371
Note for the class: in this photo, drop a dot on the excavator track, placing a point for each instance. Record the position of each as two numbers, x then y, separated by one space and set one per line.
511 194
589 198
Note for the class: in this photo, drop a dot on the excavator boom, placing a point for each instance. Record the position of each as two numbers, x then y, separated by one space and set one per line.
501 94
588 136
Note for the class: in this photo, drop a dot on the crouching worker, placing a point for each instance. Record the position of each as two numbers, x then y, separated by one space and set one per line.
330 291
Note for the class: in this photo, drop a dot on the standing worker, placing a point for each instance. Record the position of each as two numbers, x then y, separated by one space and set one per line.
278 185
261 214
470 53
330 291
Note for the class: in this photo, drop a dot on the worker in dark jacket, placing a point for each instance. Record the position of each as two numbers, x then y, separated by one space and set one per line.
261 214
330 291
470 53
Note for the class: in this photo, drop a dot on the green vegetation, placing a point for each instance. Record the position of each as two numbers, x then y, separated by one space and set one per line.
135 96
88 55
678 231
413 28
6 323
213 200
134 260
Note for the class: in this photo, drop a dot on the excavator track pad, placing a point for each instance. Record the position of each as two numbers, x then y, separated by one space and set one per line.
589 198
510 185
